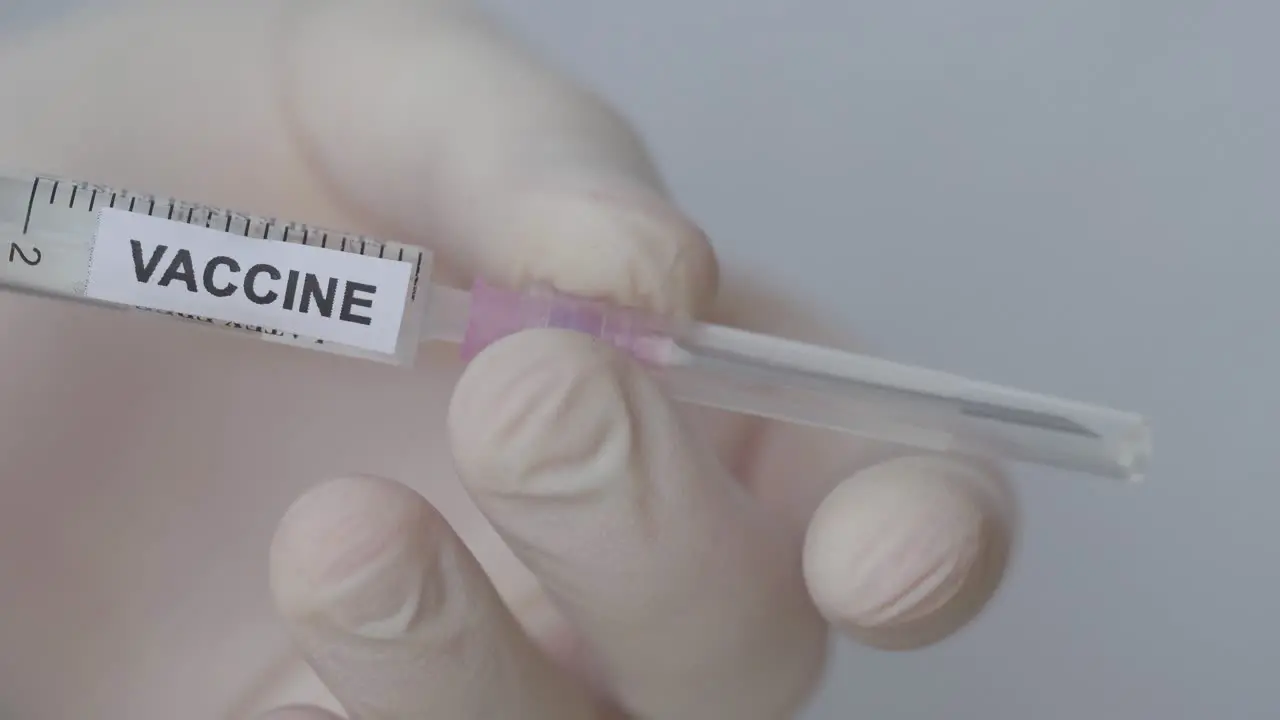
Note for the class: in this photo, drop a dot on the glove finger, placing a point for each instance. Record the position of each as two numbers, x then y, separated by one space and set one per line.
688 595
473 144
299 712
905 553
398 619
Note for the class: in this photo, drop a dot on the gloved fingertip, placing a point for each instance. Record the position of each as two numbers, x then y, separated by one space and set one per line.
906 552
538 413
397 617
353 555
614 241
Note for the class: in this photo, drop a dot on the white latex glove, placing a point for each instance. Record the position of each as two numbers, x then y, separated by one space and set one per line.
680 563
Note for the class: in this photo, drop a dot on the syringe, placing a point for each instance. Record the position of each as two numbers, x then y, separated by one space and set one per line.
311 287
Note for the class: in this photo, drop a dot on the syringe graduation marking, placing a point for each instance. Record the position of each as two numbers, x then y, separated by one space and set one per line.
417 270
75 200
26 224
308 294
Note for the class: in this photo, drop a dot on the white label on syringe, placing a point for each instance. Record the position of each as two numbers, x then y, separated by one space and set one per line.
324 294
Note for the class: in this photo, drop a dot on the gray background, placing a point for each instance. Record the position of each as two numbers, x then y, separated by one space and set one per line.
1079 198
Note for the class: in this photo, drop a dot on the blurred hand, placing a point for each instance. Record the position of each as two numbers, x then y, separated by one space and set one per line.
630 557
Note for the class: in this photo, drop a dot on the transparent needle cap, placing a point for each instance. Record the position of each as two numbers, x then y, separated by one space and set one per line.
795 382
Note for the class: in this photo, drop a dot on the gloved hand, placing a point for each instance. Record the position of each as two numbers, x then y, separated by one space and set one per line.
628 556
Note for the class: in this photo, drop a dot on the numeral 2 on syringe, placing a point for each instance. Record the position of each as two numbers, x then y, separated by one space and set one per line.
16 252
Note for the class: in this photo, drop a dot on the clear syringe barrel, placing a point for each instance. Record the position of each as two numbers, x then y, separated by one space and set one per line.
796 382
